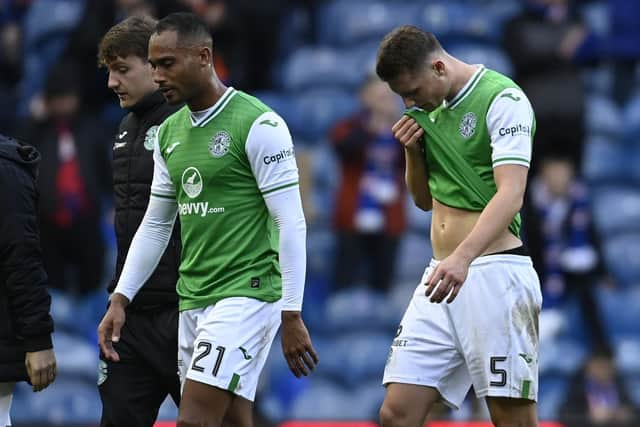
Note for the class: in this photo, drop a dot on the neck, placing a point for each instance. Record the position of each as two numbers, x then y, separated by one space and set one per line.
462 73
209 95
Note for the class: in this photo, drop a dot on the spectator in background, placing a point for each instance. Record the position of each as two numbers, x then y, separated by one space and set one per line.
369 216
26 351
534 41
563 244
597 396
74 178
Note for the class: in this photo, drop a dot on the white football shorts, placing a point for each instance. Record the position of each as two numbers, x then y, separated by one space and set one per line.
487 337
226 345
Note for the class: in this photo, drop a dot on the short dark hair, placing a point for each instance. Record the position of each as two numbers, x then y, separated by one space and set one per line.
404 50
129 37
189 27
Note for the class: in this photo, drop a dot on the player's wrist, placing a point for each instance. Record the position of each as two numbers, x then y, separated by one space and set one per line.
119 300
289 315
413 149
464 254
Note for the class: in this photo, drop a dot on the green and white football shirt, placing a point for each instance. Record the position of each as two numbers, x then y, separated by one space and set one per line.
219 165
490 122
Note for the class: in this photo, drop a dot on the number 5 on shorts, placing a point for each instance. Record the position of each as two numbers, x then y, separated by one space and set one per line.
496 371
205 353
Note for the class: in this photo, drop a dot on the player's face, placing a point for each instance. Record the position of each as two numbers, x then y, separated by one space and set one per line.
425 88
175 69
130 78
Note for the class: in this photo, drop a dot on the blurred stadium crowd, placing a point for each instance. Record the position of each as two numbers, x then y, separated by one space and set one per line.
367 245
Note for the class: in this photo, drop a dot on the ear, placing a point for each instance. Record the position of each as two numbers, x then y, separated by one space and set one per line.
438 67
206 56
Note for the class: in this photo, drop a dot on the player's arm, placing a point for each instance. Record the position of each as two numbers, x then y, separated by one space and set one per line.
409 133
270 151
510 121
147 247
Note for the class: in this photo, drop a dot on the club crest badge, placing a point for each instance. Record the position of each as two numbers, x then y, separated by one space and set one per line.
219 145
150 138
468 125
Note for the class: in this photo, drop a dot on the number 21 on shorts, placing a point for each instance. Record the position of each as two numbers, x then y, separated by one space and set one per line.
207 347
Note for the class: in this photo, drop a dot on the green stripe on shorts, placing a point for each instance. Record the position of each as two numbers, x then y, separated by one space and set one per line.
234 382
526 386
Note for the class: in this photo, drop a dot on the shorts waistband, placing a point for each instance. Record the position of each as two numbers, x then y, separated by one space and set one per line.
487 259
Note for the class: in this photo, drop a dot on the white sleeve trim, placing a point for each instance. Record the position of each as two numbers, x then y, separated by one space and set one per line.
285 208
270 151
161 185
147 246
510 122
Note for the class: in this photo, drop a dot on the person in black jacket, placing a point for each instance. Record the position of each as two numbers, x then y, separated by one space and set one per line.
26 351
133 388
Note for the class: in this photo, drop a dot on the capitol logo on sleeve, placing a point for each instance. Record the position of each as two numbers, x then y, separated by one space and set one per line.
281 156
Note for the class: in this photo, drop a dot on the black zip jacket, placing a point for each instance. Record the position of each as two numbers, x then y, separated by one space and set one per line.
25 323
132 176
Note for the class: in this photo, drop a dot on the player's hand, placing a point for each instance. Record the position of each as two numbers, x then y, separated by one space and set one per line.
110 326
296 344
447 278
41 368
408 132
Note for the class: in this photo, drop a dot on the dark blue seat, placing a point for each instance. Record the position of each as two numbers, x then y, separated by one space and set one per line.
65 402
631 120
603 117
455 20
347 22
562 357
633 388
324 400
552 393
317 110
620 311
627 350
359 308
476 53
621 256
76 356
616 209
320 66
605 161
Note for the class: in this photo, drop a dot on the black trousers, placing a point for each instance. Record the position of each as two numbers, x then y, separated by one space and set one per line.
133 389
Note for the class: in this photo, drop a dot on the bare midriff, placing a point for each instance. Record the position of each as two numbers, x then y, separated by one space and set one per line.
450 226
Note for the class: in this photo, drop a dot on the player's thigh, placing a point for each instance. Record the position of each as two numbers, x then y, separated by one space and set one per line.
203 405
407 405
512 412
240 413
495 318
425 352
231 345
